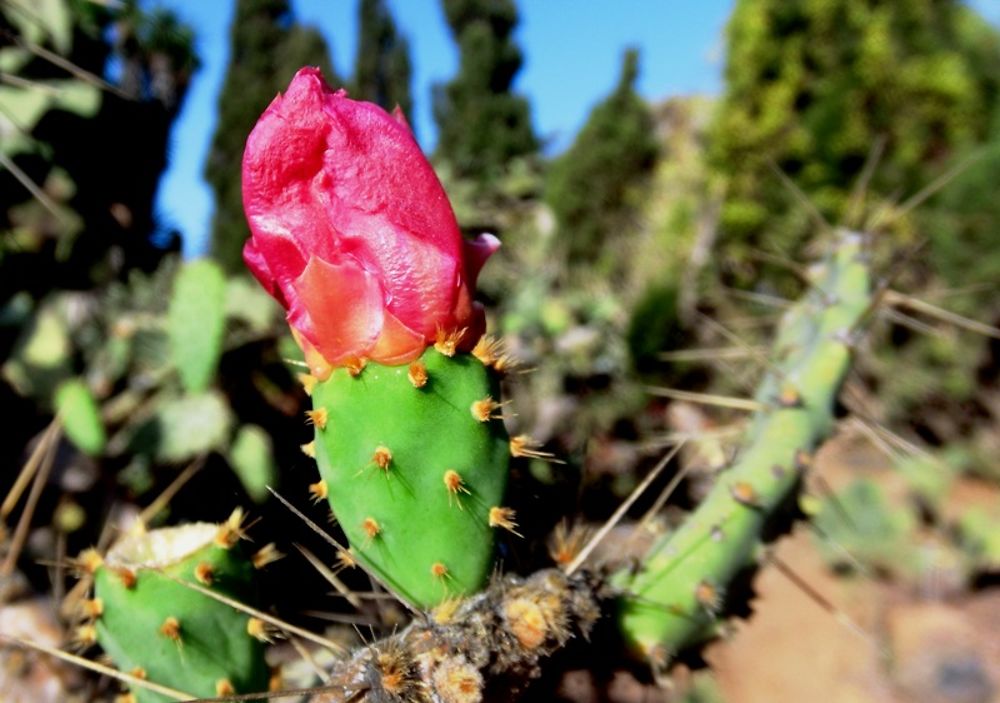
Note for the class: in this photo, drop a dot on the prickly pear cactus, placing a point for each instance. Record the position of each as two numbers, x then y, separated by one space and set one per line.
674 598
414 462
159 630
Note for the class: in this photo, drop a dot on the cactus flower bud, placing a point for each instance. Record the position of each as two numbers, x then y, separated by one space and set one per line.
353 233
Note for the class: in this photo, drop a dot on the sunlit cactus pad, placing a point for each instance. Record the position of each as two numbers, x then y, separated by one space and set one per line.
414 461
164 632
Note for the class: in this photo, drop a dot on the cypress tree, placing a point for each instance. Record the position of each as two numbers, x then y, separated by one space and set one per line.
382 66
267 48
481 123
589 186
813 85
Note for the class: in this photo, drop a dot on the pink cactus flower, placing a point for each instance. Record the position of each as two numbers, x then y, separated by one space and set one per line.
352 231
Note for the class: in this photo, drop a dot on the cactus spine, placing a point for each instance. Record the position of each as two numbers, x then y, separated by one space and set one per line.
159 630
413 460
672 600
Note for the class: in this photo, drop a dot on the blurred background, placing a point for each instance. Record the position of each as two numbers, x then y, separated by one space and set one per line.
660 174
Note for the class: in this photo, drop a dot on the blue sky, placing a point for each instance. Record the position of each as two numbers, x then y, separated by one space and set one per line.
572 54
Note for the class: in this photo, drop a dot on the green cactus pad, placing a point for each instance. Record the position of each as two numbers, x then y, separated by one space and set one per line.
169 634
412 474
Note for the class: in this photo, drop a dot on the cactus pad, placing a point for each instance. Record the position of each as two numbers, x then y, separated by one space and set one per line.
164 632
413 460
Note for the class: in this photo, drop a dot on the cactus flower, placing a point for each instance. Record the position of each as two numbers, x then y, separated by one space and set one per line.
352 231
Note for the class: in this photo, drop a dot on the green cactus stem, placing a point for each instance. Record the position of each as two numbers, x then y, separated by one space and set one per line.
414 461
159 630
672 600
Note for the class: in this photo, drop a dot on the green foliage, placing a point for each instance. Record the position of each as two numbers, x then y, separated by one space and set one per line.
196 321
252 458
81 418
589 187
813 85
412 474
382 66
267 47
482 125
178 637
674 598
654 326
187 427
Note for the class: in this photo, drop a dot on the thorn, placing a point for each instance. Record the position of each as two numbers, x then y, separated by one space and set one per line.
504 518
371 527
355 366
126 698
439 570
261 631
85 635
455 485
268 554
224 687
171 628
318 491
317 417
89 561
417 374
505 363
744 494
204 573
524 446
566 542
445 611
231 531
483 410
717 534
309 449
488 349
708 596
276 682
126 576
382 457
790 397
139 673
91 608
447 342
803 460
345 560
308 382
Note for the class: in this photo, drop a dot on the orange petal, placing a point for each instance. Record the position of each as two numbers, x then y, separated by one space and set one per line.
397 344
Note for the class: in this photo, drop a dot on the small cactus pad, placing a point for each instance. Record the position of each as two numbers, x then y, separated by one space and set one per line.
413 458
160 630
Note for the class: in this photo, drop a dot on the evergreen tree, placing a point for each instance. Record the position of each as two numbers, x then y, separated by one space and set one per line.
813 85
589 186
267 48
481 123
382 66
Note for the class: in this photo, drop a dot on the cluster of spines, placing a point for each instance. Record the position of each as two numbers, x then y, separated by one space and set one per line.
674 598
123 588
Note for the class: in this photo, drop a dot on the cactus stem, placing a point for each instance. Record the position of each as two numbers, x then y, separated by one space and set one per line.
309 449
204 574
318 491
454 484
446 342
484 410
504 518
171 628
317 417
417 374
268 554
308 382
